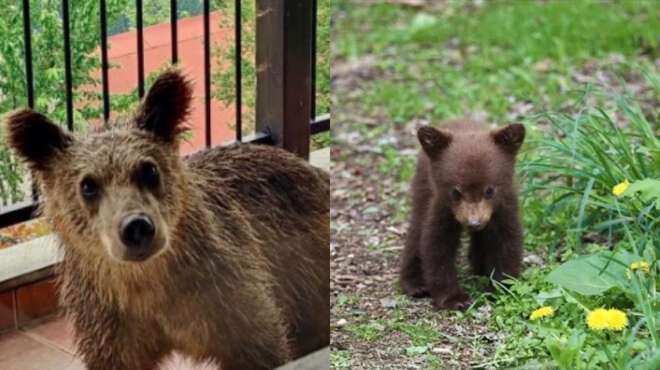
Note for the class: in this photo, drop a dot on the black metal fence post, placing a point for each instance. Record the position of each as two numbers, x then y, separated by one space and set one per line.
207 72
284 72
175 39
237 70
104 60
67 64
140 47
27 39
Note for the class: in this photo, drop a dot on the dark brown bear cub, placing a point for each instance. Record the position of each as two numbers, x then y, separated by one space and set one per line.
222 256
464 180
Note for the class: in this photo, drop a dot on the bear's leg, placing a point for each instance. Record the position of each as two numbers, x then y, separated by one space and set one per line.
411 277
267 351
253 337
476 258
439 243
115 347
497 249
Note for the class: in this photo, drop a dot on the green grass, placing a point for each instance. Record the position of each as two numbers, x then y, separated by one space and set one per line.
340 359
418 337
369 332
489 58
590 154
421 333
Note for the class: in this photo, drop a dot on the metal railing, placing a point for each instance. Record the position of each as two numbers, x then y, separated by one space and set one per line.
286 60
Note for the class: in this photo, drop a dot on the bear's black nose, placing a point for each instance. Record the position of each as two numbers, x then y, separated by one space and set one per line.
137 231
474 225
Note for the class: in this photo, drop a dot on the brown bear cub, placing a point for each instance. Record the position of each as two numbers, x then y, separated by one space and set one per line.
222 256
464 180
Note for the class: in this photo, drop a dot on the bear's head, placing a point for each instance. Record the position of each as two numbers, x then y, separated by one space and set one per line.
473 170
114 192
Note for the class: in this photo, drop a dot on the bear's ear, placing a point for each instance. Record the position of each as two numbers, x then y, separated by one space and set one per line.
433 140
35 138
164 109
510 138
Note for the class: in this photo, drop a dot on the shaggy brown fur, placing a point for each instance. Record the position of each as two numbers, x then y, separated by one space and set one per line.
464 179
238 269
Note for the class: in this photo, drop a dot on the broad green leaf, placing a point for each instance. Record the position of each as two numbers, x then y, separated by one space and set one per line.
594 274
648 189
655 161
544 296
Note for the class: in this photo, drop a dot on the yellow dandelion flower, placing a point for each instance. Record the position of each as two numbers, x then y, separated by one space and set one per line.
545 311
602 319
617 319
620 188
640 265
597 319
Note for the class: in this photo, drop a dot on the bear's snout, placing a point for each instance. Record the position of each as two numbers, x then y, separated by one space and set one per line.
137 232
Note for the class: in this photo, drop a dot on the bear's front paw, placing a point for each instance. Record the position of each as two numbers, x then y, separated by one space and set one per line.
454 301
414 291
418 292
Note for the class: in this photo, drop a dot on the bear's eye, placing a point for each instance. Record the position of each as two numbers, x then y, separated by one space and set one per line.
148 176
455 194
489 192
89 189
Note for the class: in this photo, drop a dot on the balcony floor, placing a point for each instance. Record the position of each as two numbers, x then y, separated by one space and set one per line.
50 345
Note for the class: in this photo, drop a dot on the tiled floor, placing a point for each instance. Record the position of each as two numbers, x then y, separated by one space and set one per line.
50 346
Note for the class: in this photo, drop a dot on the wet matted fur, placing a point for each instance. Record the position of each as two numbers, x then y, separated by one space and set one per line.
238 270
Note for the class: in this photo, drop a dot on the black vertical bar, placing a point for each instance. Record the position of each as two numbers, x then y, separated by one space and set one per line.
207 71
239 78
104 61
173 24
27 39
140 47
67 65
314 27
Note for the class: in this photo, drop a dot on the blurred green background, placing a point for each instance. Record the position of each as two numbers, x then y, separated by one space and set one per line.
583 76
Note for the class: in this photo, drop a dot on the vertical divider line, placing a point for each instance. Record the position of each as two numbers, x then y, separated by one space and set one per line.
67 64
239 78
173 28
140 47
314 28
27 42
207 72
104 60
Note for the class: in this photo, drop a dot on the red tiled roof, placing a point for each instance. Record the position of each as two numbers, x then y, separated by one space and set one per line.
122 55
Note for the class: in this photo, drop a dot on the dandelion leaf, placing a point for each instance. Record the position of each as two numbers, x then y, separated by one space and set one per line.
594 274
648 189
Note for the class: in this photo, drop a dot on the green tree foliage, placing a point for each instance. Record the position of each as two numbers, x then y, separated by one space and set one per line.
48 64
